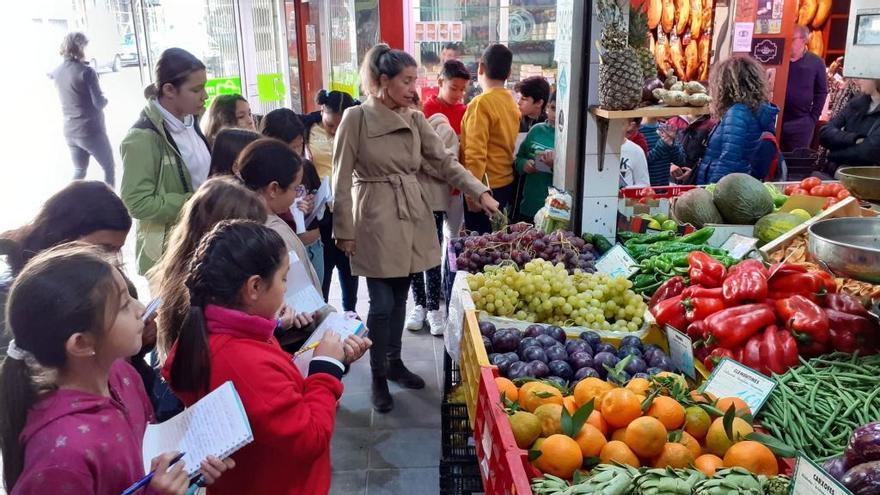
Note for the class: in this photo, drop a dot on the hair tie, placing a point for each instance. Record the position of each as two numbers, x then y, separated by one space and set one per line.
16 352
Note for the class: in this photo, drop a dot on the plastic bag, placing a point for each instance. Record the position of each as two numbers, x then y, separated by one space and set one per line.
556 212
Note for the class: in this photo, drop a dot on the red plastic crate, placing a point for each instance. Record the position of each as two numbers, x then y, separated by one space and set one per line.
659 192
503 466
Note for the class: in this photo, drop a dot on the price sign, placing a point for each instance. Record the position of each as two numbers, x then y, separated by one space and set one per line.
809 479
739 245
732 379
617 263
681 351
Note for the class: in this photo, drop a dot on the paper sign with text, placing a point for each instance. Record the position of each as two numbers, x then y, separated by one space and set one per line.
732 379
681 351
739 245
810 479
617 263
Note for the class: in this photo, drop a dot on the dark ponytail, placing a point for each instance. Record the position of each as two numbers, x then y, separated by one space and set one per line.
225 259
173 67
77 285
268 160
335 101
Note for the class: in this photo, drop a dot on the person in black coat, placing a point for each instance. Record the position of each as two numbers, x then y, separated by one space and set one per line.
853 135
82 104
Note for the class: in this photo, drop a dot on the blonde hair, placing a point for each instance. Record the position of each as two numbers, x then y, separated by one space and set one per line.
739 79
73 46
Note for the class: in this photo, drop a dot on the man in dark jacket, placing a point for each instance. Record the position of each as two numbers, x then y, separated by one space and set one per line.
805 94
82 104
853 135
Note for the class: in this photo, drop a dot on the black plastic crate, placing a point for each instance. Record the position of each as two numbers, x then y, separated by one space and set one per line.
460 478
451 374
800 163
456 437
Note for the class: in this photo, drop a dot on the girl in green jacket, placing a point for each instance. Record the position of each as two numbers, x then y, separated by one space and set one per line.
534 160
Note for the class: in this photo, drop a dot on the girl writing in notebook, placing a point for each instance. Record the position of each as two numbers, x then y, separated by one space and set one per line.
236 284
74 410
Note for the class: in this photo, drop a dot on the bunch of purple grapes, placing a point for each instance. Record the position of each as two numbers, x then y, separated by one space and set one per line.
522 243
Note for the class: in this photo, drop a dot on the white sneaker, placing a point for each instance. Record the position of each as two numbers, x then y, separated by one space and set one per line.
436 322
416 319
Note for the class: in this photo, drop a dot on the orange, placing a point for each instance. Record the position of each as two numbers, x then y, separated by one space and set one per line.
708 464
668 411
691 443
599 422
619 434
569 404
754 456
560 456
724 404
589 389
550 416
615 451
674 455
620 407
590 440
679 379
534 394
639 386
646 436
507 388
716 438
696 421
702 397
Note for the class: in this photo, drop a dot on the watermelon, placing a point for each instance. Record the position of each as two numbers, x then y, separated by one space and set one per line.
742 199
771 226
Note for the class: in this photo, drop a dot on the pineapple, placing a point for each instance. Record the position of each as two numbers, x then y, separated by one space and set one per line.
638 39
620 72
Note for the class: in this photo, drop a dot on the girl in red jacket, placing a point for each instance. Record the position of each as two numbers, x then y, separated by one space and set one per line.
236 281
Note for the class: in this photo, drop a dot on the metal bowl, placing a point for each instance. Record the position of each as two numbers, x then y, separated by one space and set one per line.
862 182
850 247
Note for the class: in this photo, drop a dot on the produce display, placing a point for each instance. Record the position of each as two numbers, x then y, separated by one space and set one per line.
814 14
676 93
817 406
735 199
859 468
541 292
813 186
620 72
543 352
683 36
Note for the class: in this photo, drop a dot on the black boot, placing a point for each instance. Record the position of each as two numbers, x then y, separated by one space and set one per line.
382 401
397 372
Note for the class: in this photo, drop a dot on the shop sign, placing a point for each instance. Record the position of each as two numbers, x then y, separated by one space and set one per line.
617 263
742 36
768 51
270 87
681 351
810 479
733 379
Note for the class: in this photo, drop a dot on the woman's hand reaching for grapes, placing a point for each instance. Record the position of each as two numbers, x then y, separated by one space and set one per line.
489 204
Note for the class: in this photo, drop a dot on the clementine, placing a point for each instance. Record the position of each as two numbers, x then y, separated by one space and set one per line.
507 388
674 455
646 436
668 411
615 451
560 456
754 456
620 406
708 464
535 394
590 440
724 404
588 389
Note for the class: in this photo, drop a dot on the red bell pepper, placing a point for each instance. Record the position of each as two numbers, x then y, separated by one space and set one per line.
749 265
716 356
779 269
696 331
697 291
672 287
670 312
829 283
776 296
698 308
705 270
807 322
701 353
850 332
750 354
746 284
796 283
731 327
779 351
847 304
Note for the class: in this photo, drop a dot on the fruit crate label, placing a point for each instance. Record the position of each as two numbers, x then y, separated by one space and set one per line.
681 351
617 263
733 379
809 479
739 245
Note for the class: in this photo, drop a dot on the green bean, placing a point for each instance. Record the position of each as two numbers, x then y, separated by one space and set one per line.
867 408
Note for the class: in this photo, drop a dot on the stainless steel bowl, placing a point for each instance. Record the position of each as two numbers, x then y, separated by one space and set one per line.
850 247
862 182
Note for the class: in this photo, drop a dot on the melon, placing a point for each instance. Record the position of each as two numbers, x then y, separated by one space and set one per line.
742 199
697 208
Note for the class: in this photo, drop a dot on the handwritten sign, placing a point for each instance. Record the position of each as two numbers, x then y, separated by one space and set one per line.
739 245
732 379
742 36
681 351
810 479
617 263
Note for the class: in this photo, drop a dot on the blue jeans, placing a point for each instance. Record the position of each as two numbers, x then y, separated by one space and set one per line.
316 256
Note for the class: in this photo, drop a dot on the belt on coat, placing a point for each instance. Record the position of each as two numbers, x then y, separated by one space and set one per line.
407 191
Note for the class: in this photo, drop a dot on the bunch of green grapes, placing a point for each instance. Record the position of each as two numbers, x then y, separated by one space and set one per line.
542 292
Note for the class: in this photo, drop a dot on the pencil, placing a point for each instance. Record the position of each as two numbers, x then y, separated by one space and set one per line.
313 345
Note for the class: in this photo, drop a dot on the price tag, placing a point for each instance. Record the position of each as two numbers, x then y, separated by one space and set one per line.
617 263
739 245
732 379
681 351
809 479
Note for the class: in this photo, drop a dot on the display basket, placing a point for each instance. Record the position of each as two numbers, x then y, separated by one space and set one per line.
473 357
636 201
460 478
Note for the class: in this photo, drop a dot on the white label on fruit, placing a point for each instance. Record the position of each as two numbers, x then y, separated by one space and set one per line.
681 351
733 379
617 263
739 245
810 479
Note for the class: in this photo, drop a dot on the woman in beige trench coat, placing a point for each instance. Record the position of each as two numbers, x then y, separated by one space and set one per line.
381 216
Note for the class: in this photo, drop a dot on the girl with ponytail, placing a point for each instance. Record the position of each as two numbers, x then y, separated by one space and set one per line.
75 411
236 283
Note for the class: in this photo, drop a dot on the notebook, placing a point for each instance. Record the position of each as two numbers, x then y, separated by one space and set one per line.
215 425
344 324
301 295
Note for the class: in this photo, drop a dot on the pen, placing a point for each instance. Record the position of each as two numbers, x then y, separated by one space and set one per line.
149 477
313 345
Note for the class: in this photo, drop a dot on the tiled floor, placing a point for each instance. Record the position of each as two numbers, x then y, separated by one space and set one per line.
393 453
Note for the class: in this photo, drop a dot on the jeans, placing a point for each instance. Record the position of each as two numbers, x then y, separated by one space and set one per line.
431 299
97 145
478 221
385 320
315 251
335 258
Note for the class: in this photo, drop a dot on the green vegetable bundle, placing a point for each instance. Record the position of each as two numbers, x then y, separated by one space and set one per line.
816 406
